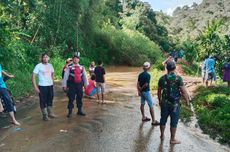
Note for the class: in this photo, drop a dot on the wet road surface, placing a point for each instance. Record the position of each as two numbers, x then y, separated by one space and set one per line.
112 127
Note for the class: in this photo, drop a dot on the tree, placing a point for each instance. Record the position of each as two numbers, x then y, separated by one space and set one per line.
212 42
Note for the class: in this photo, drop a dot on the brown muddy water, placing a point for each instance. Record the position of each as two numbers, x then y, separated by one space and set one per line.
112 127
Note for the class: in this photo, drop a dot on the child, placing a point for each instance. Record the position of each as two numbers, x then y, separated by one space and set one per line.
91 89
100 80
91 68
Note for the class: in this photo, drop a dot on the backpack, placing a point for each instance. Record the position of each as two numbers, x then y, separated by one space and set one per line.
172 96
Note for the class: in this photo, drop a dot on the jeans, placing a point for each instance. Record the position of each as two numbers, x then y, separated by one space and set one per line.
7 100
172 110
146 96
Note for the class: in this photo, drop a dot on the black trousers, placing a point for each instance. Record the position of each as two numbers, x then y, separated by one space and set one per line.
46 96
75 92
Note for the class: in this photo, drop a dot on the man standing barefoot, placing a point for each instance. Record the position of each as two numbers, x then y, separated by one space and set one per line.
170 87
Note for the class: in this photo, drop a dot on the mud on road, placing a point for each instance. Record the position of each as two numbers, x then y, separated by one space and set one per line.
112 127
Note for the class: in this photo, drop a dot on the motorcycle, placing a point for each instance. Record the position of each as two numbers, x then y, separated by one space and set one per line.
11 96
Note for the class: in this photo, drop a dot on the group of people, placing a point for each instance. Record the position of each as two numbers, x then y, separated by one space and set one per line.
209 72
170 90
177 54
74 79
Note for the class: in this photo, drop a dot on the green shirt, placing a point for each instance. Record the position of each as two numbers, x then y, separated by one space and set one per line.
175 83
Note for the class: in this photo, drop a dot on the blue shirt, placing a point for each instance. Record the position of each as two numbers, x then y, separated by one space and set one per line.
209 65
2 83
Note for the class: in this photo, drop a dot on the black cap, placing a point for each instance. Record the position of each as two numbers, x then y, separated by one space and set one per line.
171 66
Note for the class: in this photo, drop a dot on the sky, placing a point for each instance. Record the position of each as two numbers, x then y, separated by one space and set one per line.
168 6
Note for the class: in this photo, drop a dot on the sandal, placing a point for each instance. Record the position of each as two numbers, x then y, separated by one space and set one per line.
155 123
175 142
146 119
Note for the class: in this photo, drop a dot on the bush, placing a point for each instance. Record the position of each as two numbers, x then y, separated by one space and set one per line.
130 47
155 75
212 108
191 69
21 85
185 114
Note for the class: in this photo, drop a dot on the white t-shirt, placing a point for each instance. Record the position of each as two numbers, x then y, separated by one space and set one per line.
44 72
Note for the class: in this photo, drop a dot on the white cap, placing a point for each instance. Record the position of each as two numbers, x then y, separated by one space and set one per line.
146 65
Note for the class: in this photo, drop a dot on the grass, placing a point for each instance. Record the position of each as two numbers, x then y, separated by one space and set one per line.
212 106
21 85
155 76
185 113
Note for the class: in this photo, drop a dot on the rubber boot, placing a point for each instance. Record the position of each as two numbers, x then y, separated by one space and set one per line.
69 115
80 112
50 112
45 114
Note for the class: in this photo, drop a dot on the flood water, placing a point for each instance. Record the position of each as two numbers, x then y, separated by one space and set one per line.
112 127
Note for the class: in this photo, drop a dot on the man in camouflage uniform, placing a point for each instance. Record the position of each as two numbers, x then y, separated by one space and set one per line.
170 89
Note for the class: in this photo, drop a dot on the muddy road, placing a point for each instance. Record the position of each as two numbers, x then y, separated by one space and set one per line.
112 127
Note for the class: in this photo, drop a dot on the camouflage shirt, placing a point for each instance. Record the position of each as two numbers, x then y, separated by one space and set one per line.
175 83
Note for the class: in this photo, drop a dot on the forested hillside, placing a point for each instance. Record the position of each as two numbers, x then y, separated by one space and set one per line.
200 30
115 32
190 21
104 29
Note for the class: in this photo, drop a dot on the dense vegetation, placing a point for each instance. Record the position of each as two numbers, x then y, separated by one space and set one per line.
115 32
200 30
212 107
189 21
